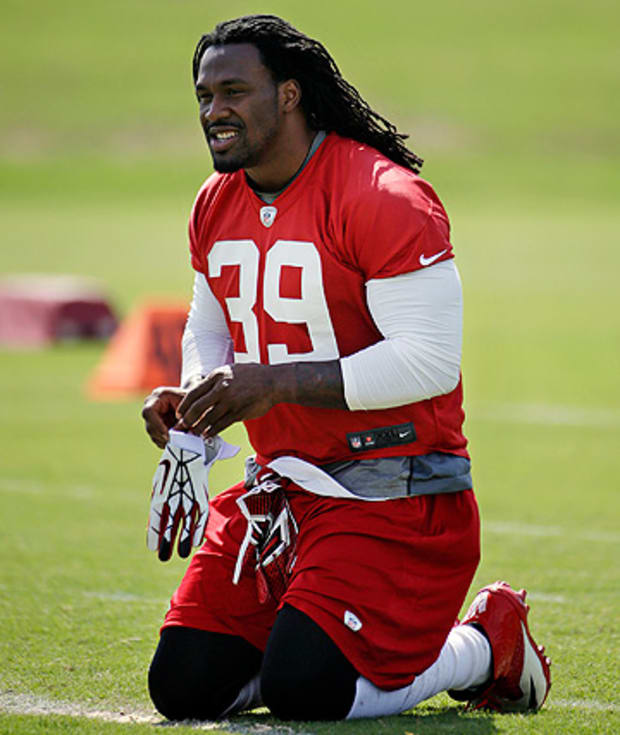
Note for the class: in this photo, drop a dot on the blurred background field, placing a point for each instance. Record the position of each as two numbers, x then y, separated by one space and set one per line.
515 107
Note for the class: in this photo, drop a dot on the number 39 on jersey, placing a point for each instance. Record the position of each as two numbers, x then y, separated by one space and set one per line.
308 307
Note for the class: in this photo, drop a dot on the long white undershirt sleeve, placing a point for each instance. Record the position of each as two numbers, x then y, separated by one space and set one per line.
420 316
206 340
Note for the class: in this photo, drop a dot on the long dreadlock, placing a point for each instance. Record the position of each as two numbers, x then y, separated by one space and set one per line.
329 102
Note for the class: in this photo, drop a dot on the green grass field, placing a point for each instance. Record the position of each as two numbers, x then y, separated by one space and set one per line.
515 107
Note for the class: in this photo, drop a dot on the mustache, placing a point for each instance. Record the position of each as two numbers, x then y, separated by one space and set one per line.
214 127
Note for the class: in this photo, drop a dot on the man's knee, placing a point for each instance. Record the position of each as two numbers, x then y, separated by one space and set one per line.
305 676
196 674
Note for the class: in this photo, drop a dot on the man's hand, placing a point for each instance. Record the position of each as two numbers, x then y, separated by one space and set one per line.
159 413
232 393
238 392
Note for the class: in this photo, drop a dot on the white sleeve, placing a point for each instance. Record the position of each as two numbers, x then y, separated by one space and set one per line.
420 317
206 340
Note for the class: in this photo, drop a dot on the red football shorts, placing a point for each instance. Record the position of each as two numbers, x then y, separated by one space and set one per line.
384 579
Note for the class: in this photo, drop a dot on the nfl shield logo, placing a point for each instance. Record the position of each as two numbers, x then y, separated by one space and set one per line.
268 215
352 621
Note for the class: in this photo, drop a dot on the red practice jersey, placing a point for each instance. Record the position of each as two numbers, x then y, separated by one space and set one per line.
291 281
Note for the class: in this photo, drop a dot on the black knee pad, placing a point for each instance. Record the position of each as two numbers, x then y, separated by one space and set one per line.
196 674
305 676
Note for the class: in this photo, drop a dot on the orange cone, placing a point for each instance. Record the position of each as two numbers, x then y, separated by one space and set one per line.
145 352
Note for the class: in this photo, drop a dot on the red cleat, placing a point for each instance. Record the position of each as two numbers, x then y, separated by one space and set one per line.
521 678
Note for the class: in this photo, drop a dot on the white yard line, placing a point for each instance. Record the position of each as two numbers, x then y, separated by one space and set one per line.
544 597
25 486
124 597
591 705
513 528
546 414
26 704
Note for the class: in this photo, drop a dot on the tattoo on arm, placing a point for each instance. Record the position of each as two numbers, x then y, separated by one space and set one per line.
319 384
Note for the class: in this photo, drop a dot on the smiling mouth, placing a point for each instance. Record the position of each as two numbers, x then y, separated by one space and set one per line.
222 140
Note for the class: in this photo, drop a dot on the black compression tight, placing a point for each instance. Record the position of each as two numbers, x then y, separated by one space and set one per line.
304 676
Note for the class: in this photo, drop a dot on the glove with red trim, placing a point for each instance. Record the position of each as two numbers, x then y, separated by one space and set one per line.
180 497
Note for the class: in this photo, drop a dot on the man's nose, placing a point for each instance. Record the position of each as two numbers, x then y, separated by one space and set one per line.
217 109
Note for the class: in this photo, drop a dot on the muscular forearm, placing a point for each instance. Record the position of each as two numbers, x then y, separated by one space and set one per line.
248 390
316 384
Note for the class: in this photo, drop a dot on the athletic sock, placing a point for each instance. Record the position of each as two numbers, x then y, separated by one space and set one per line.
464 662
248 698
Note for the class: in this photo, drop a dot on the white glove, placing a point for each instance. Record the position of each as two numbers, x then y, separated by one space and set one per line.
180 494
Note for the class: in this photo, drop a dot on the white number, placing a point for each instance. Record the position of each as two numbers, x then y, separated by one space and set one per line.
242 253
310 309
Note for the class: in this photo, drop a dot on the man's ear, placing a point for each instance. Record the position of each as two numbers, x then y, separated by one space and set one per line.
289 95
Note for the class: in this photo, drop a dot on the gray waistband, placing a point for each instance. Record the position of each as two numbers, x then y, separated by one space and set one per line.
396 477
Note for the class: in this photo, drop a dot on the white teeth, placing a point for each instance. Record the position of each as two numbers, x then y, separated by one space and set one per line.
225 135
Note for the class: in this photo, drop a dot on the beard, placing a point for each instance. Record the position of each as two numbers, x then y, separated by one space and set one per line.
243 154
246 153
230 161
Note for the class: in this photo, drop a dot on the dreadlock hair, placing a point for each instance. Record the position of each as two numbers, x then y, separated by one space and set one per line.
329 102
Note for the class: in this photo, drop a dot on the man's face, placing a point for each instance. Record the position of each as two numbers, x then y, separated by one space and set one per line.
238 106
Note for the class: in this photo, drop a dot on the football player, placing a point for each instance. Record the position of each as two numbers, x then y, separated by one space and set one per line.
326 316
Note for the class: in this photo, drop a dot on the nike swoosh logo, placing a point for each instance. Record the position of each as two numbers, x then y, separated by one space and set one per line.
432 258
